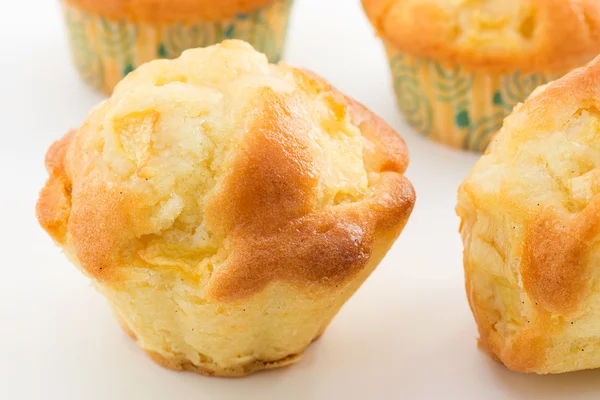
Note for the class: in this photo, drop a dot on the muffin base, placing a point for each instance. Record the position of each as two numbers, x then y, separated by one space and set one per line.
104 50
181 363
456 106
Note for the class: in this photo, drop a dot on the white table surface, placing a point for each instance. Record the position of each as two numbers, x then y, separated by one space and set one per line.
407 333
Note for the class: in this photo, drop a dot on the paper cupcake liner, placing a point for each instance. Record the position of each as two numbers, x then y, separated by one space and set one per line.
453 105
105 50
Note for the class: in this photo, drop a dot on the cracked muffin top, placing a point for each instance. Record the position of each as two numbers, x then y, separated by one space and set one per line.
528 35
231 172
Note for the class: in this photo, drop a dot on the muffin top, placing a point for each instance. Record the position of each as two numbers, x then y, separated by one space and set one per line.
541 179
231 172
526 35
168 10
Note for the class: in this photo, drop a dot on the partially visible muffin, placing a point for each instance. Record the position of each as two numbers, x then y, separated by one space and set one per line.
110 38
530 217
459 67
226 207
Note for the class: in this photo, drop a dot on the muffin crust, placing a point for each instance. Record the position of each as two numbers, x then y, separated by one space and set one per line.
526 35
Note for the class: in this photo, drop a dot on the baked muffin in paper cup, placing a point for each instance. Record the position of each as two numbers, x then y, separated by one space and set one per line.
109 39
459 69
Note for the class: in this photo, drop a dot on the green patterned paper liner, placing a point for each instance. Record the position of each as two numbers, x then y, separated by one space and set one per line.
104 51
454 105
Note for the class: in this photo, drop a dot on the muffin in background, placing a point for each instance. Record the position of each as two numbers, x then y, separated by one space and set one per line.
459 67
226 207
110 38
530 218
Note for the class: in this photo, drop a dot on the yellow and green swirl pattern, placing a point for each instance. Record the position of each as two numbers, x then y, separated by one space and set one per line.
87 61
454 105
104 51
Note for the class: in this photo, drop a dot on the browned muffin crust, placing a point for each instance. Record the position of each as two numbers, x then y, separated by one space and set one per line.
167 10
555 277
543 35
265 205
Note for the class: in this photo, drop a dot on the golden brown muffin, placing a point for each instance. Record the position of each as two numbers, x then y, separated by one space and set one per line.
226 207
110 38
460 66
530 212
168 10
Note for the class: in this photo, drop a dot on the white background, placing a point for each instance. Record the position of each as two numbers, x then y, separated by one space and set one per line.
407 333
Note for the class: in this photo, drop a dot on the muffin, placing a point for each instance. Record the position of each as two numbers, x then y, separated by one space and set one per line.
459 67
530 211
110 38
226 207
